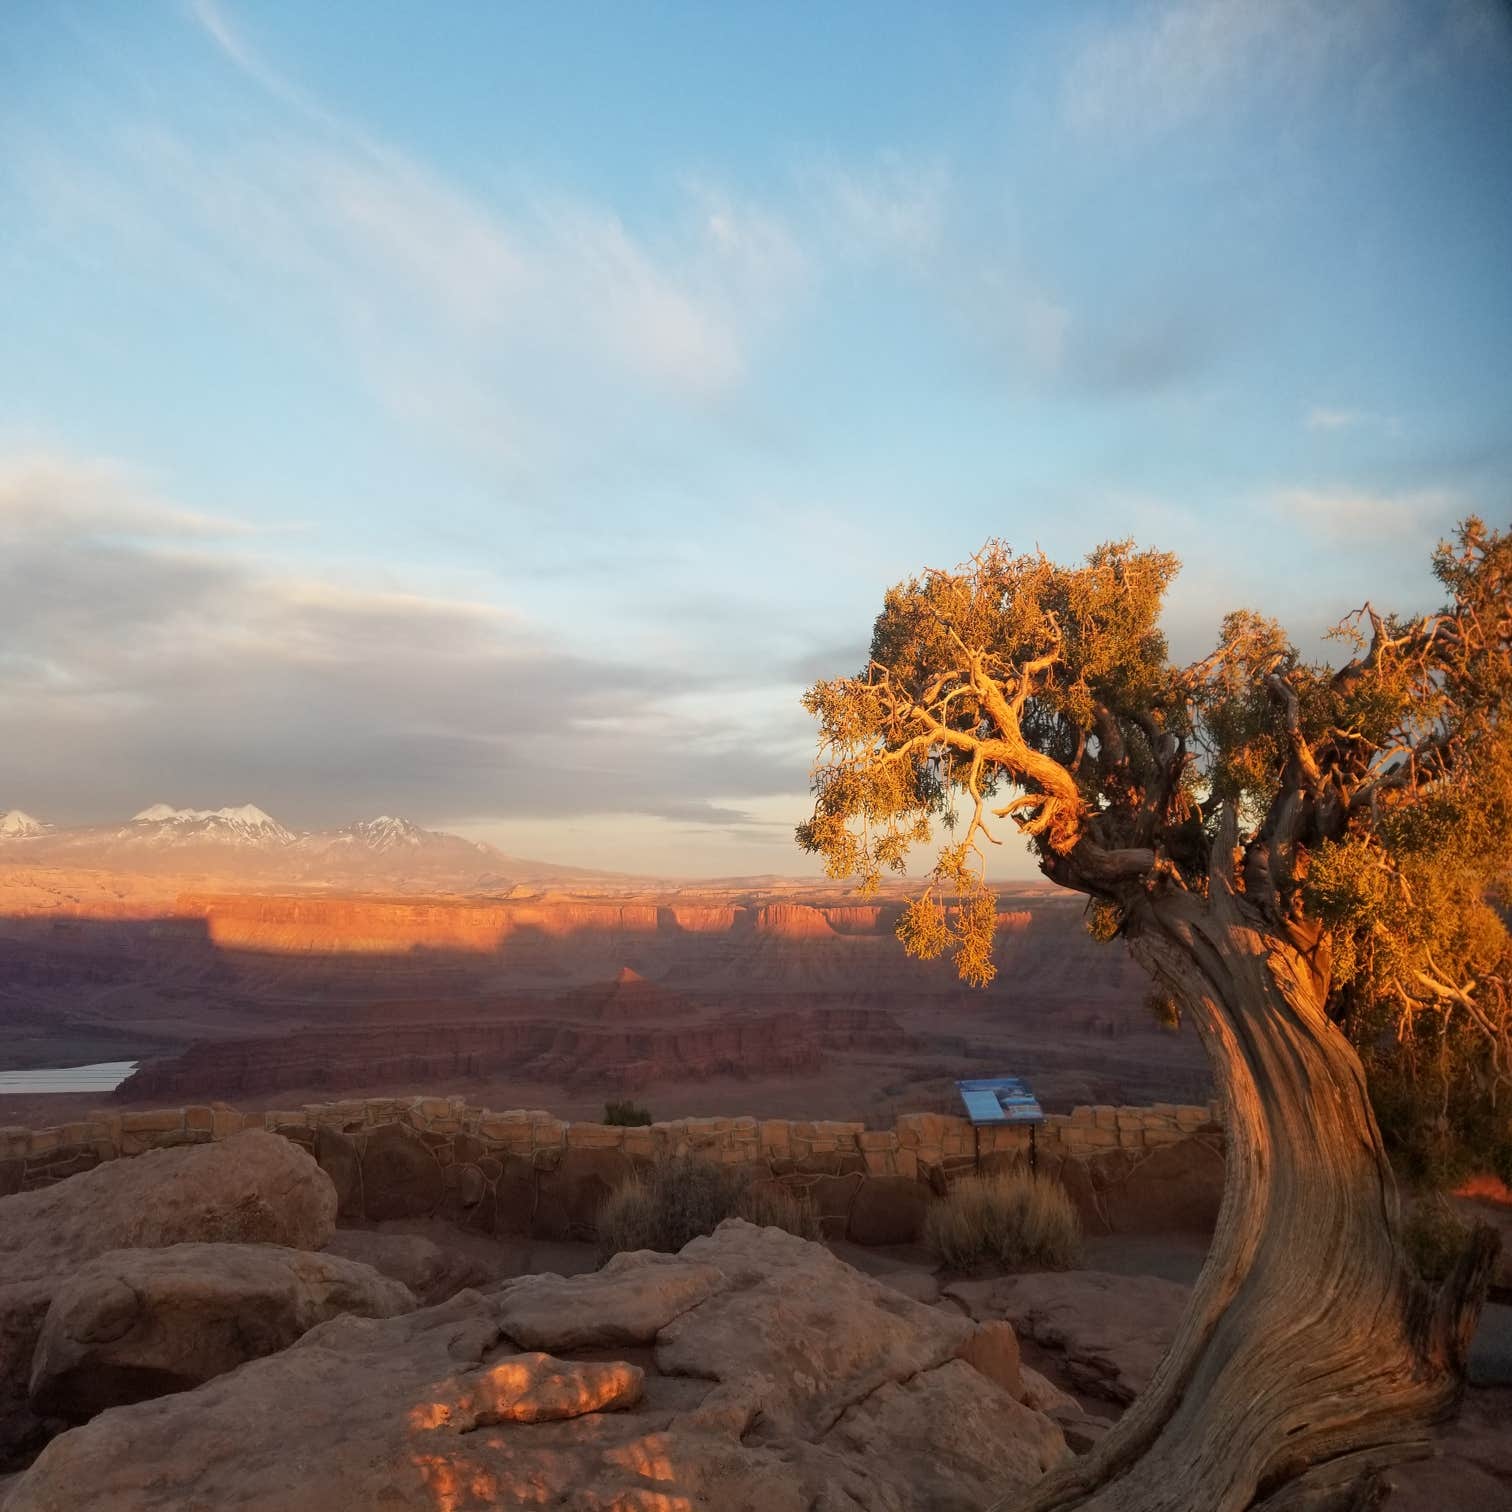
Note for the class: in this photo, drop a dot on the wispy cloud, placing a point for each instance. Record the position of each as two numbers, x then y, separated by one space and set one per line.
46 495
1339 514
894 206
507 320
1175 61
143 630
1324 418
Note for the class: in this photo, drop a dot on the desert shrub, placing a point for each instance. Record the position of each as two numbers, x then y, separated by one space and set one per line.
626 1114
682 1197
1435 1238
1012 1219
1438 1110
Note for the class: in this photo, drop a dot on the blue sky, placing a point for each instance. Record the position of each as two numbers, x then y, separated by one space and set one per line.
497 414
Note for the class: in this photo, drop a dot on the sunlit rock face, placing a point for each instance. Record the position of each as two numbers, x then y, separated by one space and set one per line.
772 1378
251 1188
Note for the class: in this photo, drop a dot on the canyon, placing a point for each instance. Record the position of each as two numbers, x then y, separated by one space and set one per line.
699 999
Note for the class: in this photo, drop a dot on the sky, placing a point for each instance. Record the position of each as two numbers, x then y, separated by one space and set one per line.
498 414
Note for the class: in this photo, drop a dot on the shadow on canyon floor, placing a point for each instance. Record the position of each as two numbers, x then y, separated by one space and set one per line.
799 1008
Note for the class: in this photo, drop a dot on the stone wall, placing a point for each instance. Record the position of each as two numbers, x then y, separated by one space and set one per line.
527 1172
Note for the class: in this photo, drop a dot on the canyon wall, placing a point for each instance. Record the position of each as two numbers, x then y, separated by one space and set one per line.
617 1052
525 1172
292 923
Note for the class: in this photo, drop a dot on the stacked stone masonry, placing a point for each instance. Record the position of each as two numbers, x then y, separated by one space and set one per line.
527 1172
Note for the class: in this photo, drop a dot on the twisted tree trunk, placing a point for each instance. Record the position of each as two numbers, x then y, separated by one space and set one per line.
1311 1355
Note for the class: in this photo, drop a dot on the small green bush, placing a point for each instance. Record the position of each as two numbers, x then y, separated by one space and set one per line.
1435 1238
1012 1219
626 1114
683 1197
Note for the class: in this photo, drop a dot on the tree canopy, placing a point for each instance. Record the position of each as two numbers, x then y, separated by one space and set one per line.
1372 799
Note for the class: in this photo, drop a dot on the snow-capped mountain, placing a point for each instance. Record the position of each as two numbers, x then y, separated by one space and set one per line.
247 844
14 825
398 845
387 833
162 824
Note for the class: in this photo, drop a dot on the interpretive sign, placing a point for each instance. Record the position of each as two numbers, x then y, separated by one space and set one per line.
1000 1100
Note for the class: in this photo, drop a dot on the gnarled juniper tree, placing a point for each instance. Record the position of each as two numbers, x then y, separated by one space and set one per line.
1292 851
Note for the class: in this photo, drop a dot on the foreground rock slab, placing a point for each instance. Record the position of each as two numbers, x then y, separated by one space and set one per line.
252 1188
133 1324
796 1385
430 1272
798 1336
1113 1330
1471 1466
936 1429
629 1301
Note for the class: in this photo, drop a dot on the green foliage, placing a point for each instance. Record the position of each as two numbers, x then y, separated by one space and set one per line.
1373 798
1435 1239
626 1114
999 1222
683 1197
1438 1111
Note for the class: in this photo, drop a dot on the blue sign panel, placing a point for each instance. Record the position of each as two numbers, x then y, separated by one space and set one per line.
1000 1100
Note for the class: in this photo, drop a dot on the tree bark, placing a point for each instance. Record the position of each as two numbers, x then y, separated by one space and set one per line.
1311 1355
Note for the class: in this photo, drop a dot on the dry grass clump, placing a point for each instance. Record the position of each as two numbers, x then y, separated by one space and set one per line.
1012 1219
682 1197
626 1114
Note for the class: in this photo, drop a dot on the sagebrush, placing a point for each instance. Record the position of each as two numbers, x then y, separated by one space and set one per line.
682 1197
1011 1219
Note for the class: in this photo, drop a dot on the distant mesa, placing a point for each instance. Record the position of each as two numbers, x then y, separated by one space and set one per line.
629 997
794 921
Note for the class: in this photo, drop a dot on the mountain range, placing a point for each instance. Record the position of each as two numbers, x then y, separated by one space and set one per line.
246 844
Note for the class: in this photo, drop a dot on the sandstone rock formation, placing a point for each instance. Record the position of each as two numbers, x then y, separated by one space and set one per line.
1113 1330
993 1350
794 1385
534 1049
931 1430
252 1188
629 1301
799 1336
137 1323
1043 1394
1471 1467
430 1272
316 993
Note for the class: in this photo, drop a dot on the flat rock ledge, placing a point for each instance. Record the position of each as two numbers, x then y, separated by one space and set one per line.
253 1188
754 1372
1111 1330
138 1323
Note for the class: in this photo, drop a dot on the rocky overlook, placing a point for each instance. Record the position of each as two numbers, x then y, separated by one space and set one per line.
754 1370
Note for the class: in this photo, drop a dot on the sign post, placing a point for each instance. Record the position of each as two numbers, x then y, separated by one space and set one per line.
1001 1100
